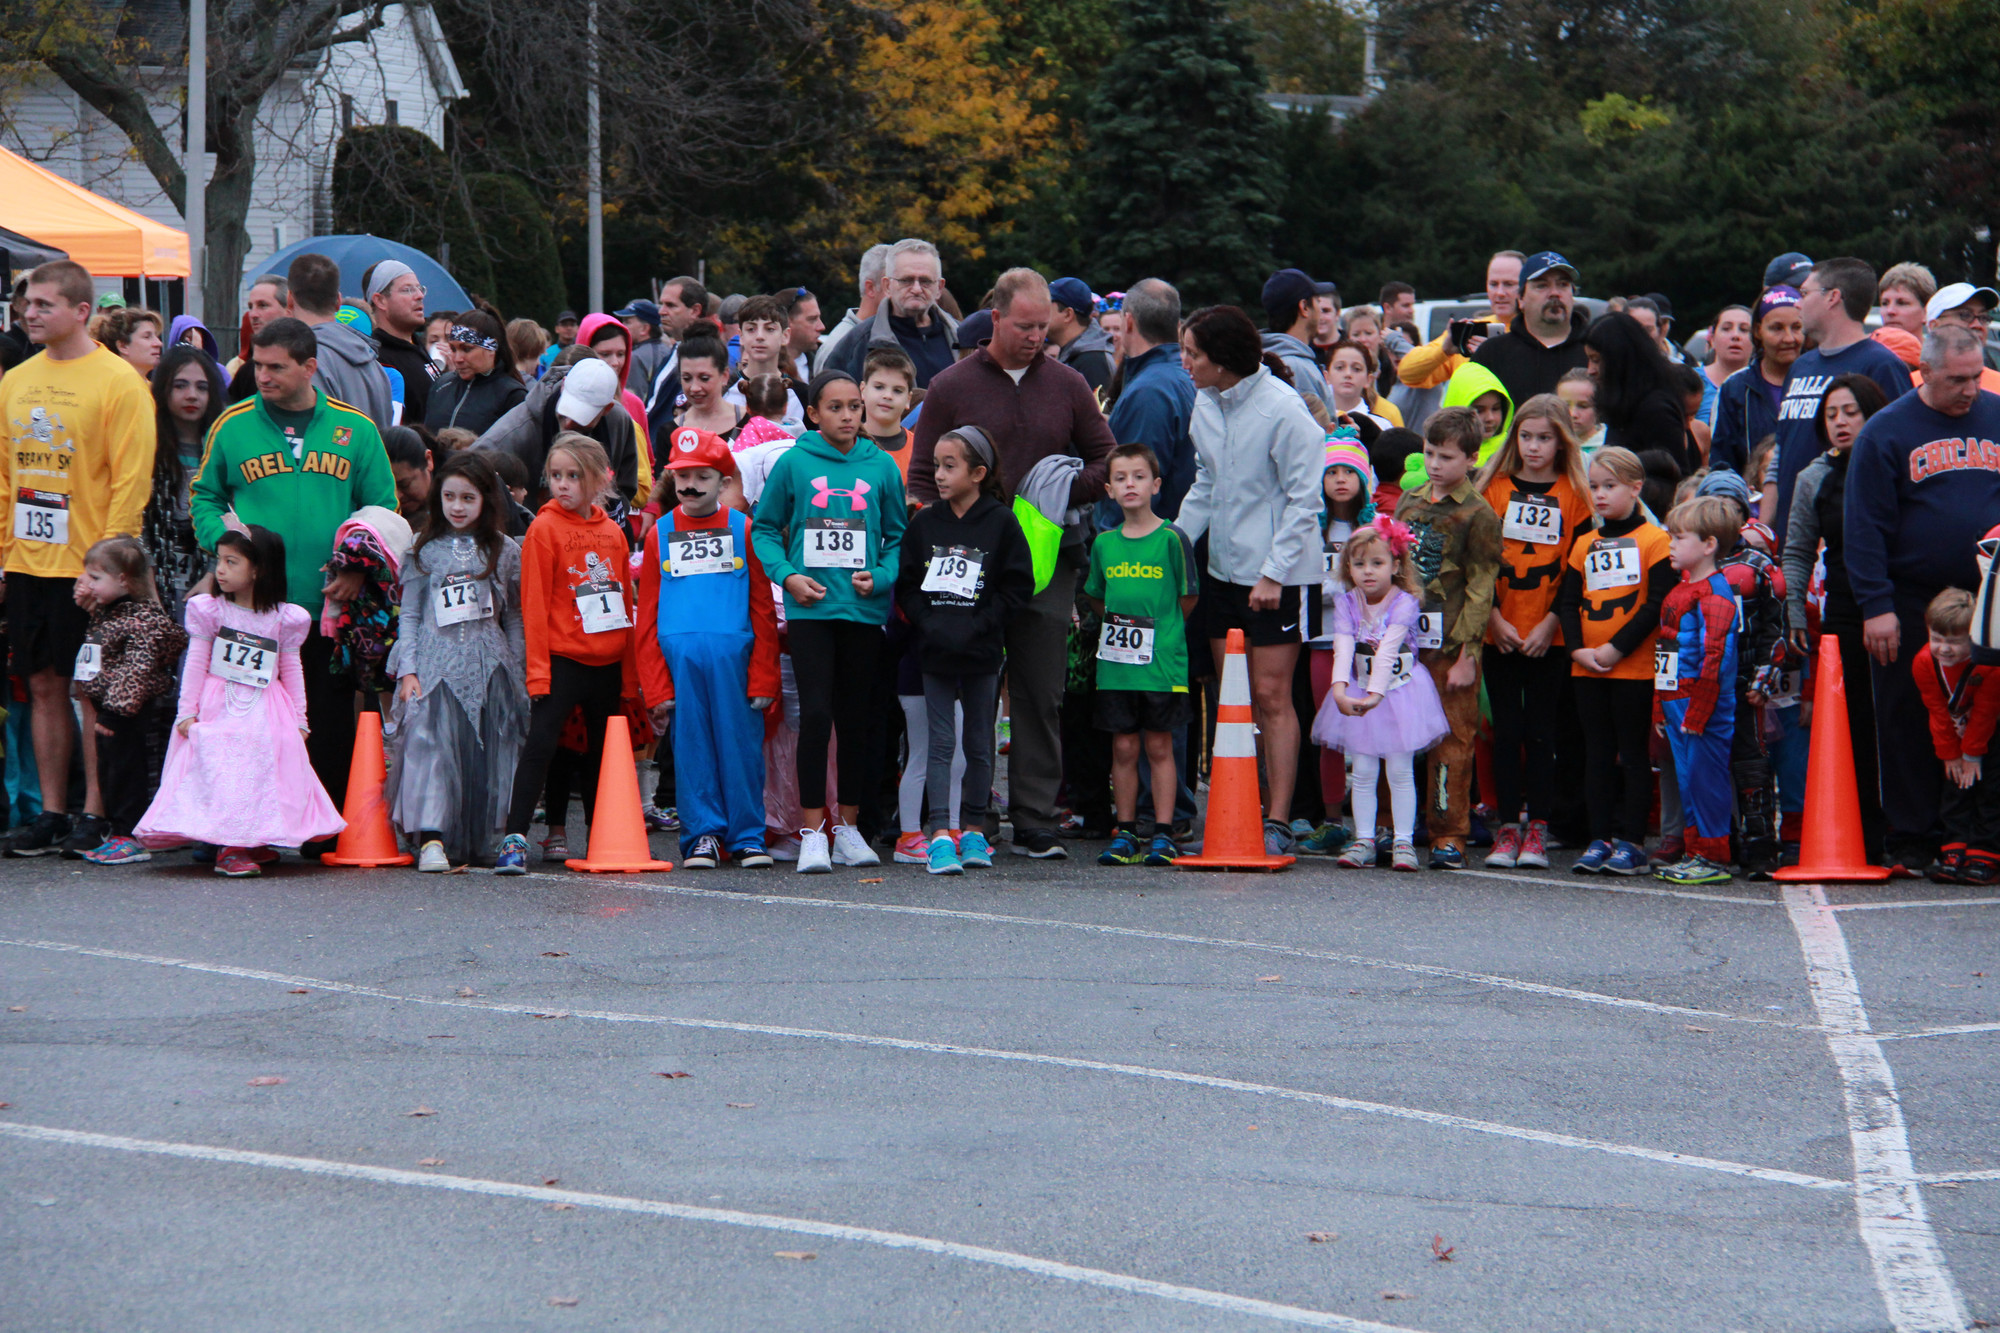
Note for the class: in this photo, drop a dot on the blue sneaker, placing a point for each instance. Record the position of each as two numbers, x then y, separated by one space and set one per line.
1123 851
512 858
1626 860
1593 858
974 850
942 859
1162 851
1446 856
1329 839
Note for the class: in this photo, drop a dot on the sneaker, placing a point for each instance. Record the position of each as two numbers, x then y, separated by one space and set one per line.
88 834
1506 849
40 837
1003 735
1301 828
1949 865
1626 859
1694 869
661 821
1123 851
118 851
1447 856
1326 840
1477 832
1040 844
236 863
1982 870
1278 840
1534 853
1360 855
1405 857
512 858
942 858
1183 831
1593 858
814 858
263 856
974 850
1161 851
555 847
203 854
706 854
1671 851
912 849
431 858
784 849
851 849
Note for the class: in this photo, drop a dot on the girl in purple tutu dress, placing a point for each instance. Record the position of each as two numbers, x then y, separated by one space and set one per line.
1382 710
237 773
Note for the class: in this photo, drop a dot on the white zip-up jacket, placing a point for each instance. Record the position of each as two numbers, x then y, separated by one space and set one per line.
1259 457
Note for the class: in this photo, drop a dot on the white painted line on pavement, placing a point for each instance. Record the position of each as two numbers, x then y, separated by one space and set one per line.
1954 1177
797 1226
1611 884
1959 1030
1922 902
1330 1100
1283 950
1910 1269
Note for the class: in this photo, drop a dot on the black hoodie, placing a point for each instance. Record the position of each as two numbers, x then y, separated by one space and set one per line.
1526 365
956 636
417 370
473 404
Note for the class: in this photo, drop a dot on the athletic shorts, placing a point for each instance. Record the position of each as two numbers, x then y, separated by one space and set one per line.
45 626
1227 607
1128 712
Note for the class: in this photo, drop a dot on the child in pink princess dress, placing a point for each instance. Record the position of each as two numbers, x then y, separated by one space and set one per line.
1382 709
236 773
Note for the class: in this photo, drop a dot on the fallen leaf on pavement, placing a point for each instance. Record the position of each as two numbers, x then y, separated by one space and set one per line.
467 993
562 1207
430 1161
1271 978
300 991
442 1036
795 1254
553 1180
562 1300
560 1013
1397 1296
266 1081
1692 1028
17 1008
739 1106
1322 1237
1441 1251
420 1111
678 1073
865 881
1253 1127
5 1105
555 953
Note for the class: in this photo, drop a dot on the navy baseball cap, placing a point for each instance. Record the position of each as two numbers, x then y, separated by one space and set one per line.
1787 270
974 329
1284 290
1545 261
639 309
1074 293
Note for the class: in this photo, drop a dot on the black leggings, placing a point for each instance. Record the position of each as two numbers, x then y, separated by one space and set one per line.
1526 694
598 690
834 663
1617 717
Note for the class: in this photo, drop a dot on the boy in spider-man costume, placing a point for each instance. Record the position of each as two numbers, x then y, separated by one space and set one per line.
1695 672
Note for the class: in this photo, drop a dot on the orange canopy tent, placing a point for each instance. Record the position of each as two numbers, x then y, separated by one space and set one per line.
109 239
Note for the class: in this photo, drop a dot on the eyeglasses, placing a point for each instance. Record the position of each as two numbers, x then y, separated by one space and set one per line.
418 290
921 280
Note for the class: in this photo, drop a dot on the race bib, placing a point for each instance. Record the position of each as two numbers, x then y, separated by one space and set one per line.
600 605
1430 628
1127 640
89 661
1400 672
691 553
954 571
1790 684
1666 667
1613 562
463 597
1333 550
41 516
836 543
1533 518
243 658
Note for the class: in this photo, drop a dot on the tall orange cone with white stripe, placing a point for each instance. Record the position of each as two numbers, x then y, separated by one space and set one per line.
1233 838
1832 851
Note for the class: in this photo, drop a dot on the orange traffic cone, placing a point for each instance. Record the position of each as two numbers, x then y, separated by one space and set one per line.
367 840
1233 838
1832 849
617 829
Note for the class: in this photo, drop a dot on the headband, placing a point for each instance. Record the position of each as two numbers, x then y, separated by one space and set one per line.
1775 298
385 273
976 440
473 338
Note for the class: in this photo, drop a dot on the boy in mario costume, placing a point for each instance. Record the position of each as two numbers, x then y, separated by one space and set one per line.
708 654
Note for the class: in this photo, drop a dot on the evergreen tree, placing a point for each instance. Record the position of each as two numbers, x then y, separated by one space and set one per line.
1182 178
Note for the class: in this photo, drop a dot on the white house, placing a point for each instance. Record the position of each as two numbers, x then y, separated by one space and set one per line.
403 74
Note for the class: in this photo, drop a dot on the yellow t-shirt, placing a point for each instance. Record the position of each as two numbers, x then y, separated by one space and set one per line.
76 459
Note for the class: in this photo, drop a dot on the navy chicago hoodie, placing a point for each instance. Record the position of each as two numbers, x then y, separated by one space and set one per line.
1922 490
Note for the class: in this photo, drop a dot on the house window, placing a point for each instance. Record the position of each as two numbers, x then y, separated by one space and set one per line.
278 237
389 111
346 112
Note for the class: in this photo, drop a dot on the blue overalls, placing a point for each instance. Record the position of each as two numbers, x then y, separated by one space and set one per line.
707 638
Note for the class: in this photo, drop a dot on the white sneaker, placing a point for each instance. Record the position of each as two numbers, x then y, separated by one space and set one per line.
850 848
432 858
813 859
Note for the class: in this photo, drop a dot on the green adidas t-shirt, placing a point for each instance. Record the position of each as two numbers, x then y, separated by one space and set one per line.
1141 582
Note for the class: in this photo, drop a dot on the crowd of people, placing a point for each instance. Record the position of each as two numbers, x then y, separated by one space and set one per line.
1530 580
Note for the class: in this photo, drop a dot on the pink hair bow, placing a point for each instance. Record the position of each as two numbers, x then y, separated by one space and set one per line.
1398 535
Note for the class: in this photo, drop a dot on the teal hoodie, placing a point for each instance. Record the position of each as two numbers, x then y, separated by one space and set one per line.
1468 382
815 481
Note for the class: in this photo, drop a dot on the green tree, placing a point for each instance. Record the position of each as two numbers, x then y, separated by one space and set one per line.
1182 174
393 182
1305 46
520 246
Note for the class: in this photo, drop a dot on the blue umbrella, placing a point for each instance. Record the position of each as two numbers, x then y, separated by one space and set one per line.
355 254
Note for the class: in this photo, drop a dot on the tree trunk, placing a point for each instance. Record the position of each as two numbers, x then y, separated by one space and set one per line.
228 198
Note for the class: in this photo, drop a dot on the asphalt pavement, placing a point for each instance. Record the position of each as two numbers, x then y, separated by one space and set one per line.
1043 1096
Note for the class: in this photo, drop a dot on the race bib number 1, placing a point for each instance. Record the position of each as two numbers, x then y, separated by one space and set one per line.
41 516
1400 671
600 605
244 659
1613 562
1127 640
1533 518
463 597
836 543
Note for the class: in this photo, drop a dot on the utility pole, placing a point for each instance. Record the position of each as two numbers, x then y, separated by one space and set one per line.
195 151
596 168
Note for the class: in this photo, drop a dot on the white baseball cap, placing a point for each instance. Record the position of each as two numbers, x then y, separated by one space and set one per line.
1958 294
589 388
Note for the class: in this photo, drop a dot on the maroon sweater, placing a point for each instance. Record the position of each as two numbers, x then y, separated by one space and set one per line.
1050 412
